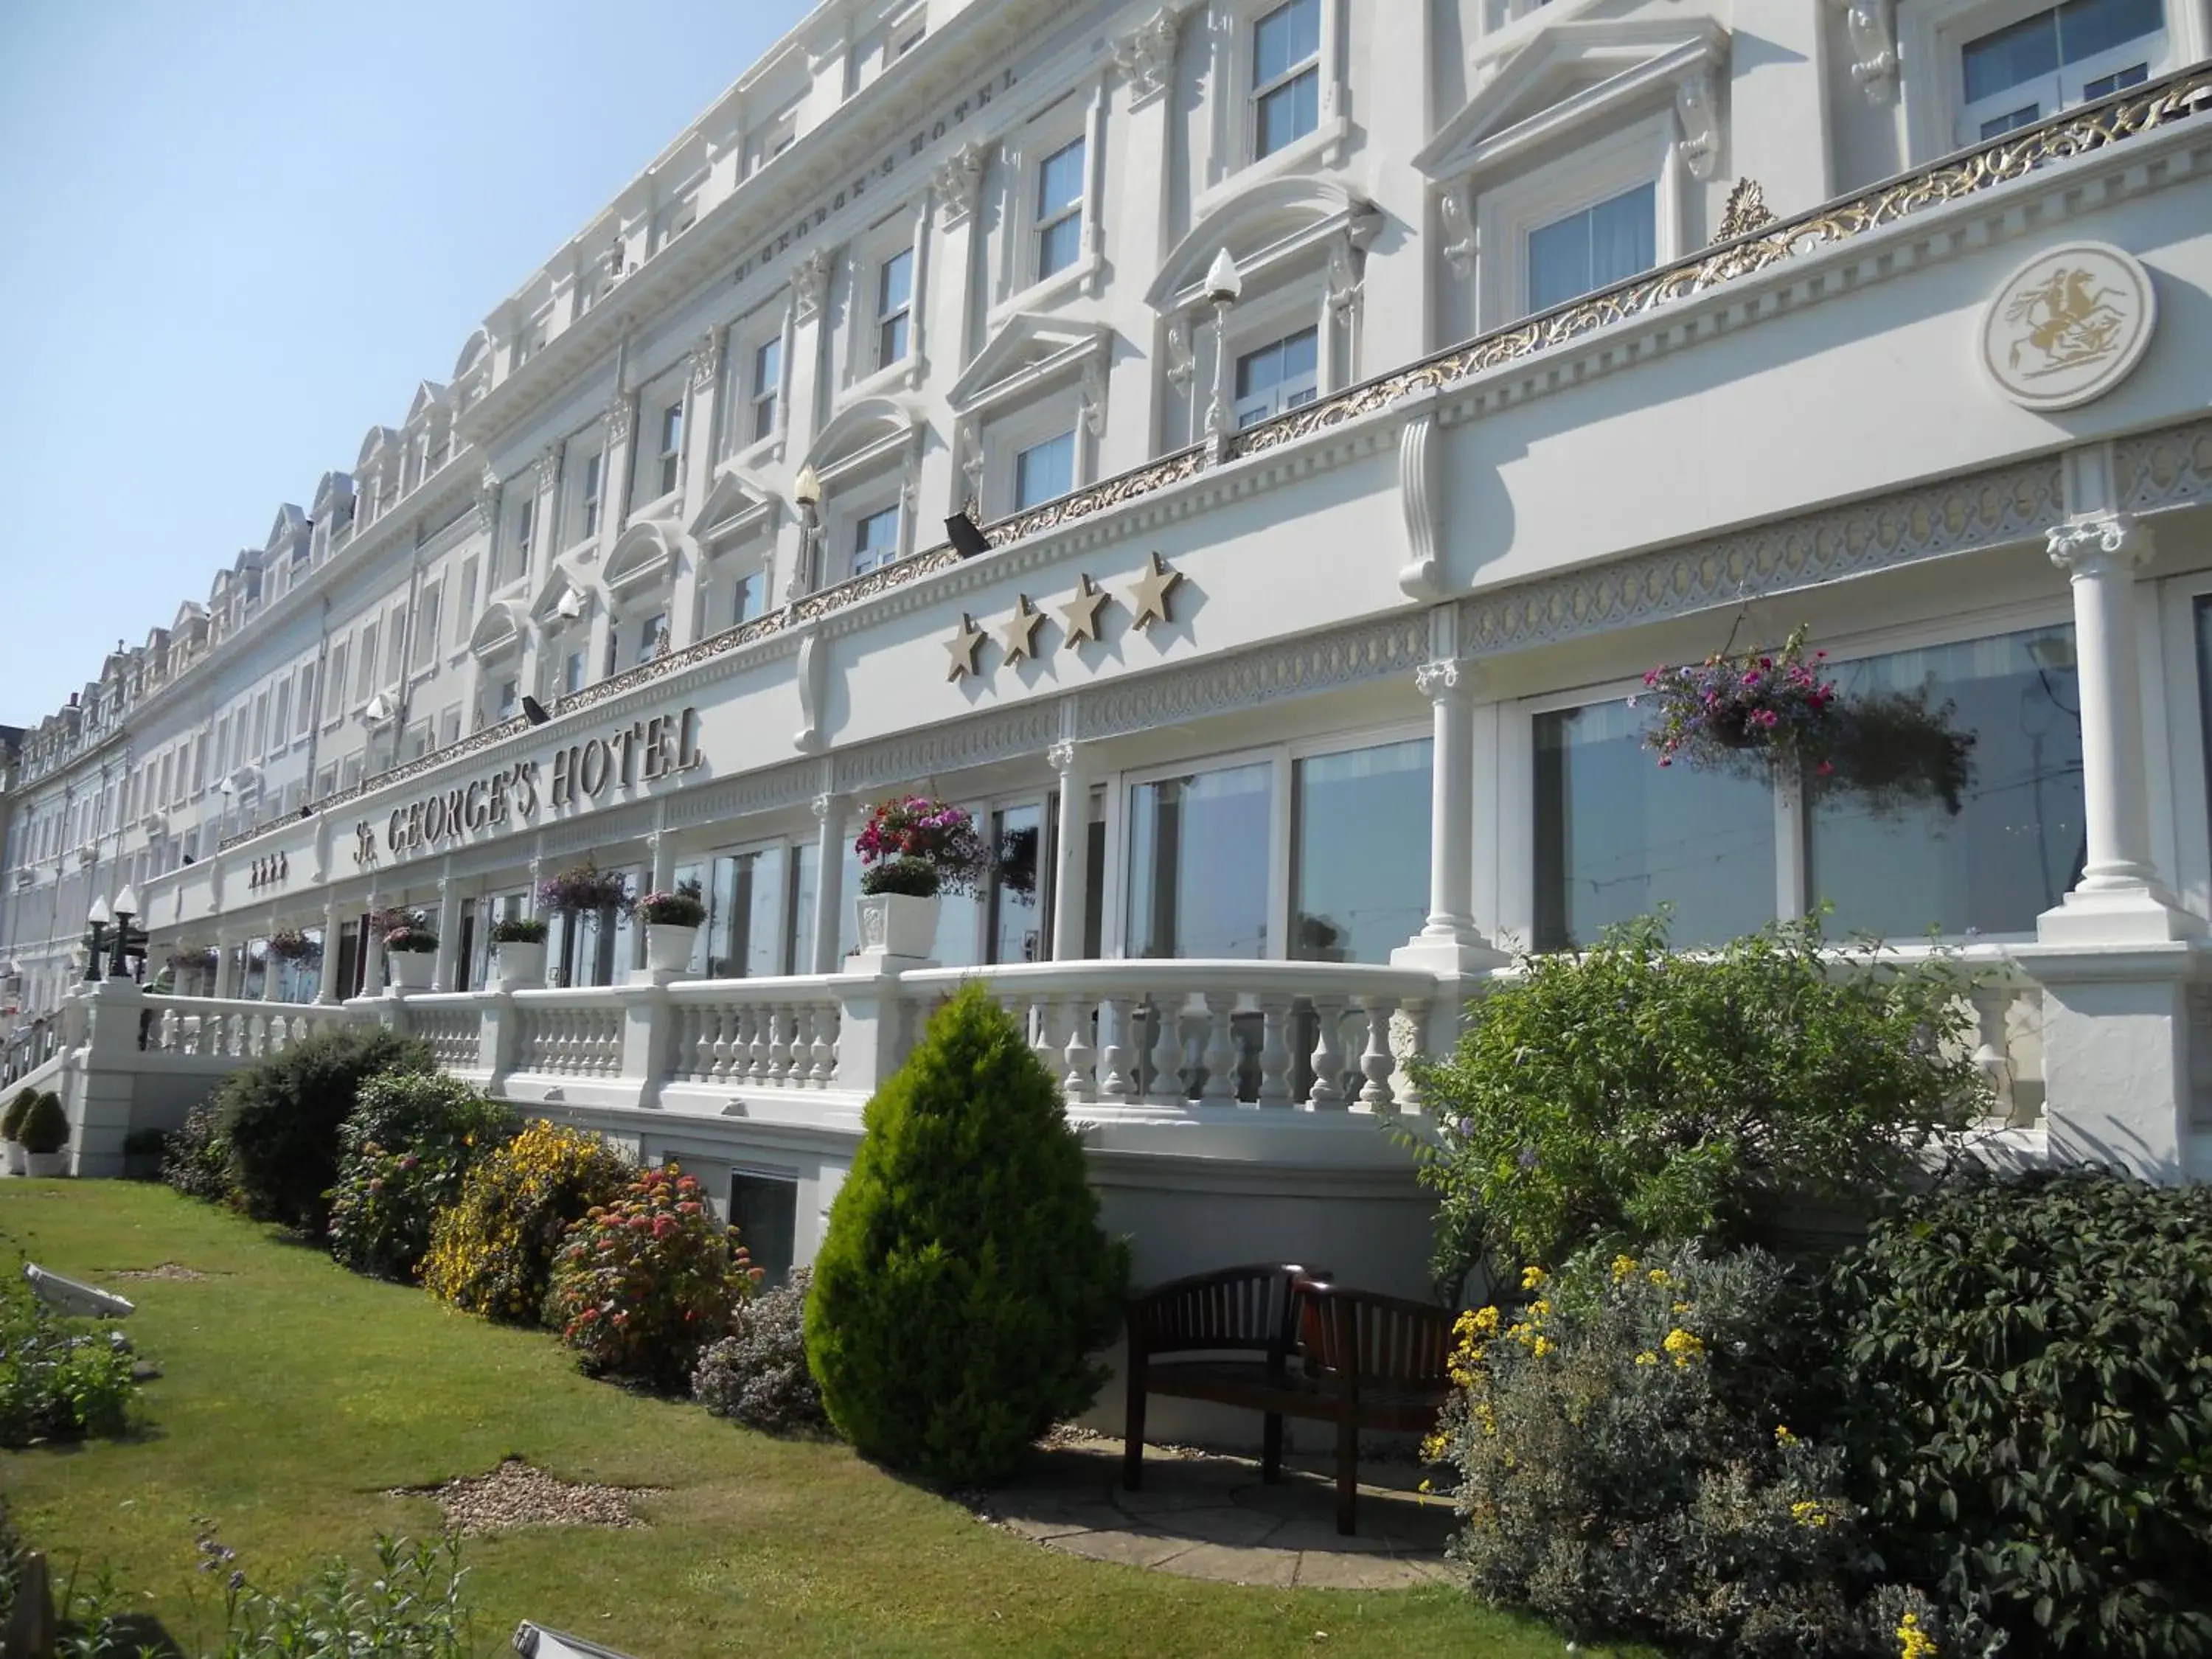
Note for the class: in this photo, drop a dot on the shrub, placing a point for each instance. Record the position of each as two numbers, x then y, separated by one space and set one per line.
964 1282
757 1374
2029 1375
196 1160
281 1117
493 1252
11 1120
1633 1098
518 930
1627 1463
45 1125
408 1607
60 1379
402 1157
640 1285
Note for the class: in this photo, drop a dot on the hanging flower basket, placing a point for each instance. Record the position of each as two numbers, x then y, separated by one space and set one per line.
1760 711
920 847
585 889
1018 862
192 959
291 945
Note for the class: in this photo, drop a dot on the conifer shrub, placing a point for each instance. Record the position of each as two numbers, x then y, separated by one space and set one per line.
964 1283
281 1118
46 1125
2028 1377
642 1284
402 1157
11 1120
492 1253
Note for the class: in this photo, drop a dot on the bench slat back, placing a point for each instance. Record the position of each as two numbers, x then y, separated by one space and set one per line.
1367 1338
1232 1310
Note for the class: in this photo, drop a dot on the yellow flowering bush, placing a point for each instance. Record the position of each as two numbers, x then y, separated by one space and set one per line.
1624 1468
492 1253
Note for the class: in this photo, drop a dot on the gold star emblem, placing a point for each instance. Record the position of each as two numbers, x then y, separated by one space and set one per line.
962 647
1019 630
1081 614
1152 589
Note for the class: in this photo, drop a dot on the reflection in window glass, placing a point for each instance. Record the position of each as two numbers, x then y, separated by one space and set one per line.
1617 836
1044 471
1599 245
764 1212
1359 852
1286 75
1197 864
2016 844
744 906
1018 884
1059 210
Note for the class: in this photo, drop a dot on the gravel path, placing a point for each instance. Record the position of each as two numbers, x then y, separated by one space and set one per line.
516 1495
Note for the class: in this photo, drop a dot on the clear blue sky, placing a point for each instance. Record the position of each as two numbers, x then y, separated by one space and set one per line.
242 231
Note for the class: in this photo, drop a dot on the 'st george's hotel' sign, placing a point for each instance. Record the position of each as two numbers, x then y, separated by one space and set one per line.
643 752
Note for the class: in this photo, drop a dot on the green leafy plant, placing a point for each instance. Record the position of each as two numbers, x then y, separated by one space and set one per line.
403 1156
196 1160
11 1120
281 1117
492 1253
964 1284
46 1125
1633 1457
642 1284
409 1607
518 930
60 1378
2030 1381
682 908
1637 1097
757 1374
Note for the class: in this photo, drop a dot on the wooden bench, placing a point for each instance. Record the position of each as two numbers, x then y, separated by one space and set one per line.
1286 1342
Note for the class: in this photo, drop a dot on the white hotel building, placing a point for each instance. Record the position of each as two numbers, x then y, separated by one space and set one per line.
1294 676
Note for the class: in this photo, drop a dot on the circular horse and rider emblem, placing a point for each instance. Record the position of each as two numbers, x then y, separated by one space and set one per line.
2069 325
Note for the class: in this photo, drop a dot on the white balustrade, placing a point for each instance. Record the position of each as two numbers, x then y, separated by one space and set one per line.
568 1033
755 1033
226 1028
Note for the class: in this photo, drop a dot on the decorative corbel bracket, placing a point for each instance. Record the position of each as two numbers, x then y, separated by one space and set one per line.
812 672
1458 213
1146 55
1871 25
1695 107
1420 497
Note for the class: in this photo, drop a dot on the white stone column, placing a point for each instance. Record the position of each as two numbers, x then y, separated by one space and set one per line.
1071 868
1449 941
326 978
2119 899
829 878
449 931
222 986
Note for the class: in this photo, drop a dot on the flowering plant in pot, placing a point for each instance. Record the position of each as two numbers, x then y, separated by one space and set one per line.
519 951
583 890
911 851
291 945
672 918
1754 712
411 947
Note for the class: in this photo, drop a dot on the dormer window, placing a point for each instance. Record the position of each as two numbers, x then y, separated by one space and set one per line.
1285 75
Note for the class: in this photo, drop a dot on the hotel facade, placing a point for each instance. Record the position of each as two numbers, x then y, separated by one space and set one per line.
1294 686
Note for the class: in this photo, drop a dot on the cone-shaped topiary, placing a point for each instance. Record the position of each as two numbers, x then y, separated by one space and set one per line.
964 1283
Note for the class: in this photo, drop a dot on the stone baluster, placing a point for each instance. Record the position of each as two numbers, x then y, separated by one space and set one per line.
779 1045
1327 1057
1166 1059
824 1071
1375 1059
1220 1057
1114 1012
1073 1015
1274 1051
1403 1088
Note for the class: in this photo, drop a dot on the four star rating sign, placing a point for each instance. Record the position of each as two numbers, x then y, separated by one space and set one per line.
1151 600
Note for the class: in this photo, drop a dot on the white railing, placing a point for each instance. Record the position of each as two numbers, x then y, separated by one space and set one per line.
760 1033
1327 1036
577 1033
227 1028
450 1027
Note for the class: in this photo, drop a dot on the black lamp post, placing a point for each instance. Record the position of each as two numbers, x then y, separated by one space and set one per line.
95 922
126 906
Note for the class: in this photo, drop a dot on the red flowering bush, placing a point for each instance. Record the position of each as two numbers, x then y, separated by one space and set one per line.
642 1284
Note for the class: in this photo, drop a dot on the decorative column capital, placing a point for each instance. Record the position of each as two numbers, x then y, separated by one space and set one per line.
618 417
1146 55
957 180
1062 756
810 283
827 805
1448 680
2100 544
706 360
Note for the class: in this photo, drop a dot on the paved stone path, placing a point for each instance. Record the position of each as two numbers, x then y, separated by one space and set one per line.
1209 1516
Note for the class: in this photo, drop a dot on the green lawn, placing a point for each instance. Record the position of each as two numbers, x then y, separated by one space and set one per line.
294 1394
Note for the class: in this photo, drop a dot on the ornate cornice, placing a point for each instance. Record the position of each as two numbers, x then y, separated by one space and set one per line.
1293 668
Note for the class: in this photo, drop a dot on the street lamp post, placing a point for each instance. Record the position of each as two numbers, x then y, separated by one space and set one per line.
95 921
126 906
1222 284
807 491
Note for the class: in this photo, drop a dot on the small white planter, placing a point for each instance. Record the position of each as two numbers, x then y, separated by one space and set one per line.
897 924
668 948
45 1166
411 970
16 1154
517 966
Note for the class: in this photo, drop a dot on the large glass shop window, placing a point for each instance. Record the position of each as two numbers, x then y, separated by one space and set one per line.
1359 852
745 903
1618 835
1197 864
2014 846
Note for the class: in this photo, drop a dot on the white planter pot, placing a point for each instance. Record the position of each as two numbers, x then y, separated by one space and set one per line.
518 966
16 1155
411 970
668 948
44 1166
897 924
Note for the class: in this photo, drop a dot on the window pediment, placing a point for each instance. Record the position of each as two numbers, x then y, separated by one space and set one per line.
429 397
553 607
1569 73
373 448
1264 227
498 631
871 430
737 506
645 556
1028 350
289 533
